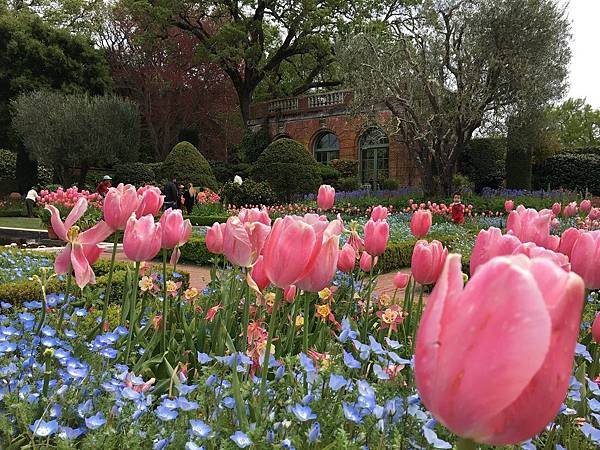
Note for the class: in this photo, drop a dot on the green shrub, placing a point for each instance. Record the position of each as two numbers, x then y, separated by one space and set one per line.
187 165
389 184
8 167
13 208
348 184
346 167
570 171
254 143
135 173
207 220
250 192
288 168
329 175
483 161
224 171
195 252
156 168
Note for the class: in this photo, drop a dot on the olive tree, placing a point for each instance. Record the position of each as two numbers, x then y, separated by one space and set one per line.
442 68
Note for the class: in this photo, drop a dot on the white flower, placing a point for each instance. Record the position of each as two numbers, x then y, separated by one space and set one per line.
237 179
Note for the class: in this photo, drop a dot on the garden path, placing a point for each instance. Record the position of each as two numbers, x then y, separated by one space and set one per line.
200 275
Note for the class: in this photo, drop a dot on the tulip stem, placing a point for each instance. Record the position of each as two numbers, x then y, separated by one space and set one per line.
61 315
110 279
164 292
132 313
305 324
266 358
465 444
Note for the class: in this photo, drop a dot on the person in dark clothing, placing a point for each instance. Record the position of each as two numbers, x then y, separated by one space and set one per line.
189 198
171 195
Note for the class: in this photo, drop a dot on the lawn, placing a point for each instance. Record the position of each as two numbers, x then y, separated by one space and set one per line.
31 223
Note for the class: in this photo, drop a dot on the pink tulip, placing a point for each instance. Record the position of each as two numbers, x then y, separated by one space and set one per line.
289 293
585 205
420 223
258 274
491 243
531 329
150 199
379 213
596 329
119 204
509 205
82 249
556 208
325 197
292 248
377 234
321 273
243 241
584 258
594 214
175 232
531 250
427 261
570 210
567 240
367 262
347 258
255 215
530 225
401 280
214 238
142 238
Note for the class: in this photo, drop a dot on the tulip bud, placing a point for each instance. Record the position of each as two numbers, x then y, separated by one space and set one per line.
427 261
379 213
367 262
214 238
420 223
325 197
401 280
596 329
347 258
585 205
377 234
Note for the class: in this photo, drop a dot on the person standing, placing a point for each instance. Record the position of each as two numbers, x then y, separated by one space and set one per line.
31 200
104 186
457 209
171 194
189 198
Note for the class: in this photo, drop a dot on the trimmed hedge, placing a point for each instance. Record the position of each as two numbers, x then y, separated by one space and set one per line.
573 171
250 192
206 220
484 162
135 173
17 292
186 164
195 252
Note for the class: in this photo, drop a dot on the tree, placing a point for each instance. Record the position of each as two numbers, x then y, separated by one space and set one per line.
577 123
75 129
174 88
253 40
441 69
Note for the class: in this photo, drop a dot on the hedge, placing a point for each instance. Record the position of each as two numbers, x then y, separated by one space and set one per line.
195 252
19 291
571 171
206 220
484 162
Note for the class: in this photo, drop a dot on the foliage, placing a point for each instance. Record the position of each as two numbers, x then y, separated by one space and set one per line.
329 175
186 164
207 220
483 162
346 167
389 184
225 171
576 122
135 173
13 208
250 192
77 130
35 55
254 143
288 168
348 184
195 251
570 171
474 62
8 166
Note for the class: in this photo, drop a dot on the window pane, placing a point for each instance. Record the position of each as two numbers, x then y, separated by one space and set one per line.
327 148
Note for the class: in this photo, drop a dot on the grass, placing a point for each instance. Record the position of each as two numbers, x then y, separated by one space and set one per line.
21 222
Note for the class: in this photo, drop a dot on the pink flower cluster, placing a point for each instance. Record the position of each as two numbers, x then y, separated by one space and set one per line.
69 197
207 197
438 209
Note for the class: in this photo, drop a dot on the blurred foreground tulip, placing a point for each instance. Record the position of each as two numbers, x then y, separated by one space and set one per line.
525 312
491 243
214 238
585 258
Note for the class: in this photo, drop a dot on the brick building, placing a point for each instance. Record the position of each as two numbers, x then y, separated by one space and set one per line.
323 123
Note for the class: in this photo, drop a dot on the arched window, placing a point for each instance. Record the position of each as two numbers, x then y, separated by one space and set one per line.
374 153
327 147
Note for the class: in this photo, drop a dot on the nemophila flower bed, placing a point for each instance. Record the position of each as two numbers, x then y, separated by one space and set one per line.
292 346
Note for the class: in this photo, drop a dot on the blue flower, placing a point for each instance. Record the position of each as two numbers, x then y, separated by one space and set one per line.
241 439
591 433
314 433
191 445
85 408
185 405
347 331
41 428
200 429
68 433
307 363
95 421
350 361
185 389
380 373
581 350
337 382
228 402
203 358
351 413
109 353
303 413
433 439
287 445
164 413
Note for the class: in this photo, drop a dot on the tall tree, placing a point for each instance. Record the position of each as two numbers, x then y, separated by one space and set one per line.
174 88
576 122
442 68
251 39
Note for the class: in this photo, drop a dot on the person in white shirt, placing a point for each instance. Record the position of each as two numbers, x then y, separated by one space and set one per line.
30 200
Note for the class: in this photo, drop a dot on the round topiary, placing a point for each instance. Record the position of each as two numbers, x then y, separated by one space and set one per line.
186 164
288 168
136 173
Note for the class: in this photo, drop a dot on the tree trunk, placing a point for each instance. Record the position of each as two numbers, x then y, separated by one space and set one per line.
245 99
83 175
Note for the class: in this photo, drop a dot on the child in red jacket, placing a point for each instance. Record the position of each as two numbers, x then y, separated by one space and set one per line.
457 209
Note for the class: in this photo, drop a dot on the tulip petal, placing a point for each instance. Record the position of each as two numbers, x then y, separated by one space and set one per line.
57 224
62 262
175 256
84 274
78 210
96 234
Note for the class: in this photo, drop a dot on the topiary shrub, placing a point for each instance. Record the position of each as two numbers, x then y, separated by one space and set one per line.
254 143
288 168
195 252
187 165
8 167
483 162
329 175
346 167
224 172
135 173
250 192
389 184
348 184
570 171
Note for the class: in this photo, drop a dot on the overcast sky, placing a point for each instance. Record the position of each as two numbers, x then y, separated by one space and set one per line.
585 63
